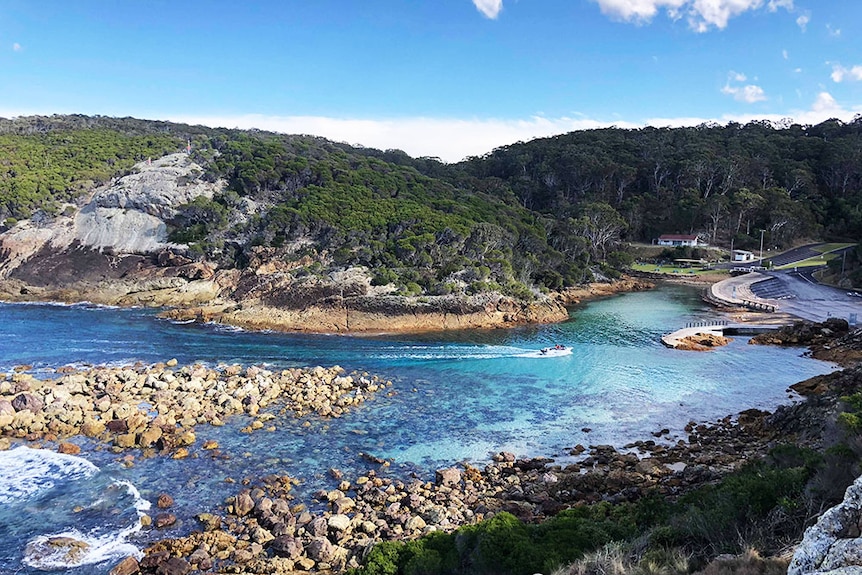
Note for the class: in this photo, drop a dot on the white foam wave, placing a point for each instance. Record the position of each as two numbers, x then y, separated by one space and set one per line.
141 505
45 554
223 327
77 548
25 472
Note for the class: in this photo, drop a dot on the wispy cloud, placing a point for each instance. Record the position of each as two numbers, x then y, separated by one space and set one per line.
785 54
802 21
452 139
16 47
701 14
490 8
774 5
833 32
841 73
749 93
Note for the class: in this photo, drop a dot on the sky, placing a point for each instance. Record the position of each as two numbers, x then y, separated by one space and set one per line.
443 78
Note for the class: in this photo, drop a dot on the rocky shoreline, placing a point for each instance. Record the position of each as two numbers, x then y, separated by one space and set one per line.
263 528
195 292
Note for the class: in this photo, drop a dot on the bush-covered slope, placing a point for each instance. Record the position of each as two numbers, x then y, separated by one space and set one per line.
545 213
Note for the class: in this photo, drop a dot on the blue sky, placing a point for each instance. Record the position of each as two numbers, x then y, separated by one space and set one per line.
445 78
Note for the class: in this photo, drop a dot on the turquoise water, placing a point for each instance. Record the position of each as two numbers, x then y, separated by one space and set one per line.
459 396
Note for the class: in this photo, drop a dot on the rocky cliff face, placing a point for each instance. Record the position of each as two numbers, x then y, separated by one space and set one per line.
126 217
834 544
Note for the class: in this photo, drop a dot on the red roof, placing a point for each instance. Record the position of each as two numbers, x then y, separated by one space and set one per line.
676 237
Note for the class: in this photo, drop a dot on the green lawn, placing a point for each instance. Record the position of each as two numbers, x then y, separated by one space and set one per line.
826 248
673 270
810 262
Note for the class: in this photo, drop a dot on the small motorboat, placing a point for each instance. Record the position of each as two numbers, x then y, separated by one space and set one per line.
554 351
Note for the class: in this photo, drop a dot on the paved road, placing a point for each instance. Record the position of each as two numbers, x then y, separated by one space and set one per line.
793 293
798 295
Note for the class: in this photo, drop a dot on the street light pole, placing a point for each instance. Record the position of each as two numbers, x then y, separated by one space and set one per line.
761 247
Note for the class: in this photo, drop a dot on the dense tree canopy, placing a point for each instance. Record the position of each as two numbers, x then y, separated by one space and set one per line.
724 182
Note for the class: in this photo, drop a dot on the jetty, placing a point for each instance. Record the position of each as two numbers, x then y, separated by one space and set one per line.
719 328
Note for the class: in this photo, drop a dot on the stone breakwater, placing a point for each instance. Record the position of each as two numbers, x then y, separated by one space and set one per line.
263 529
159 406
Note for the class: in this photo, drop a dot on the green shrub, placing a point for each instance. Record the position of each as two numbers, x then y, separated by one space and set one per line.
410 289
384 276
620 260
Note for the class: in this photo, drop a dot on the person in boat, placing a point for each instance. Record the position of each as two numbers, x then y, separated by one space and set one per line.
558 346
543 351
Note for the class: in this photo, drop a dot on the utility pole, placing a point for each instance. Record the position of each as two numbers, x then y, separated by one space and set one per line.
761 246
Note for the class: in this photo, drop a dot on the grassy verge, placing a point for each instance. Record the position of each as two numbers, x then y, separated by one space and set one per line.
826 248
673 270
810 262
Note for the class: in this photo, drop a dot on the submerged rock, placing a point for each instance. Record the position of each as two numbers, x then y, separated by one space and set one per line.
49 553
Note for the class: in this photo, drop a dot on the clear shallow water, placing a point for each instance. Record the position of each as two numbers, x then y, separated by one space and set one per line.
459 396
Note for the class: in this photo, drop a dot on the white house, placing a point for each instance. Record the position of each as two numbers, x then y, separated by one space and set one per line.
742 256
677 240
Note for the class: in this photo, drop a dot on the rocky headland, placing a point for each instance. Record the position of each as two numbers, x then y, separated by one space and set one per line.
113 249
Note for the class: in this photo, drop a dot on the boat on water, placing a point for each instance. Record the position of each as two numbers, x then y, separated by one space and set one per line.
555 351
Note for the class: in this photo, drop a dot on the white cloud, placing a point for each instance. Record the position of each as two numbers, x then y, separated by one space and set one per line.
841 73
774 5
490 8
834 32
453 139
803 21
16 47
639 10
823 108
701 14
825 103
450 139
785 54
749 94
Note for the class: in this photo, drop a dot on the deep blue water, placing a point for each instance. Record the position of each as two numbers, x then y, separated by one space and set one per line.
457 396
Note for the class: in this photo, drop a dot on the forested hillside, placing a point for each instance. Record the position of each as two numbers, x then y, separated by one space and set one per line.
724 182
546 213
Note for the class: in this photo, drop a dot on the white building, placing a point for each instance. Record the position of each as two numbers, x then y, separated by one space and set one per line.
677 240
742 256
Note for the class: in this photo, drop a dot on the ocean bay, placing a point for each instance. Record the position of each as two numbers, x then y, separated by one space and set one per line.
458 396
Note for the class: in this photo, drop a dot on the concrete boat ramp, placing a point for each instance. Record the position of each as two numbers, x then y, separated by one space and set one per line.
777 299
722 329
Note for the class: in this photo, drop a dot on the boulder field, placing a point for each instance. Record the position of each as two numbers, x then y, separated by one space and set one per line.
159 406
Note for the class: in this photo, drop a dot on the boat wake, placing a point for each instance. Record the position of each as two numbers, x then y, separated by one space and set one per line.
465 352
549 352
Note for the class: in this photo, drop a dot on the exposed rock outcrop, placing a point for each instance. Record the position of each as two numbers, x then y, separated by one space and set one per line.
126 217
380 314
834 544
